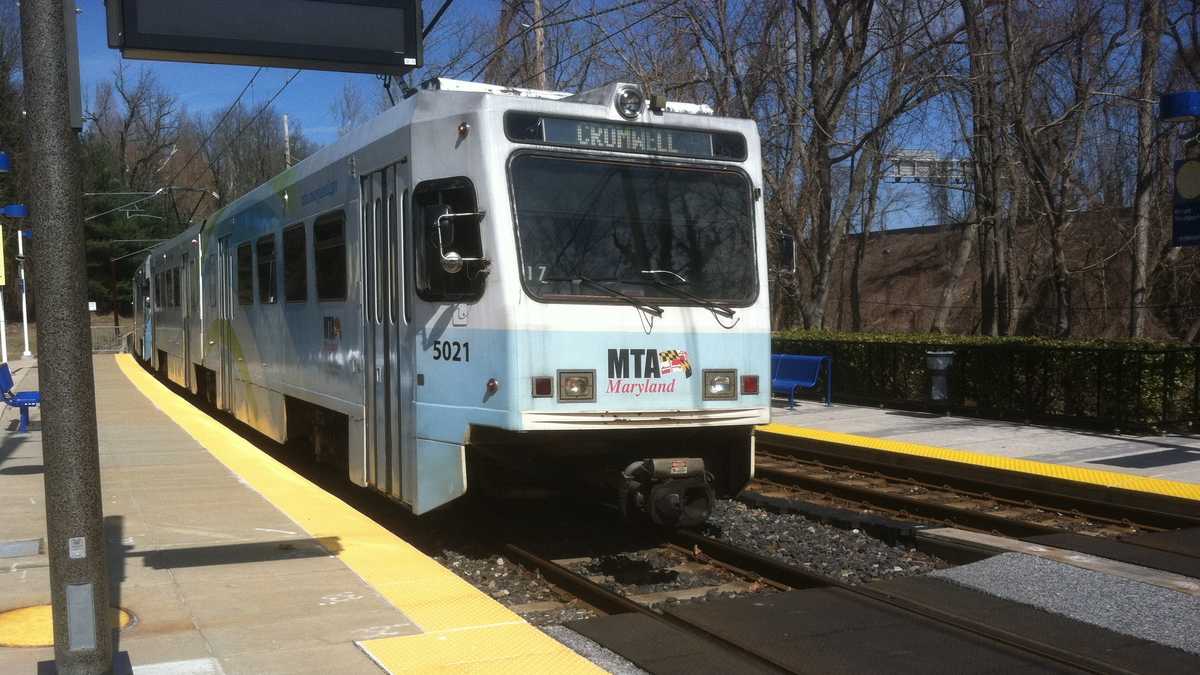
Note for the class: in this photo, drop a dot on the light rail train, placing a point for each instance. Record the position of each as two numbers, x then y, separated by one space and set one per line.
484 281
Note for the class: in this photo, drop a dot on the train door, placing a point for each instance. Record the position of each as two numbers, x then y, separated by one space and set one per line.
388 383
225 309
185 317
148 316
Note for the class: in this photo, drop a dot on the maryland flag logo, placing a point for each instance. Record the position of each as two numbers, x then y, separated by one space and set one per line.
672 359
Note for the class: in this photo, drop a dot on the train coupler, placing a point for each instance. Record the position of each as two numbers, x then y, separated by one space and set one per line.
675 492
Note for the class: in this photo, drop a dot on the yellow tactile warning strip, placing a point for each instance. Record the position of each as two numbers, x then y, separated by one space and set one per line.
463 628
1078 474
34 626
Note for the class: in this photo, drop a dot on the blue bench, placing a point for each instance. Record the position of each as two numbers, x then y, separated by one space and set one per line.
792 371
23 400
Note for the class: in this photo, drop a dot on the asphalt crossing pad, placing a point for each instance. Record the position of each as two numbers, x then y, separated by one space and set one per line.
662 649
1123 551
1184 542
835 631
1034 623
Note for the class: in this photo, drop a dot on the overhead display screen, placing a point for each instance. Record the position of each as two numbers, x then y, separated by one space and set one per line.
645 139
381 36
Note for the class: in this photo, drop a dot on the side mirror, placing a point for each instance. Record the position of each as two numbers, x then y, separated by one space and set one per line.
452 261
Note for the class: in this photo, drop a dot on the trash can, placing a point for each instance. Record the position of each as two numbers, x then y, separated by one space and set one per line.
938 364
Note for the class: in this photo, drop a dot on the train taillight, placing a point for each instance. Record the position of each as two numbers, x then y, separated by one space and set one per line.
749 385
543 387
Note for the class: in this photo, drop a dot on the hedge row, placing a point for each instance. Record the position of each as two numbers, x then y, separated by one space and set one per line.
1120 385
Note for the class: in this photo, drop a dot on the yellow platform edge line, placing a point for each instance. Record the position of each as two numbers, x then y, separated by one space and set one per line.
453 614
1112 479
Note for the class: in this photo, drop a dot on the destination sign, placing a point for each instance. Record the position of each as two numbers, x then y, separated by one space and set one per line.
627 138
601 135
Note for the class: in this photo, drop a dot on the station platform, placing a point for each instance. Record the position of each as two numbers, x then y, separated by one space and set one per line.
227 561
1167 465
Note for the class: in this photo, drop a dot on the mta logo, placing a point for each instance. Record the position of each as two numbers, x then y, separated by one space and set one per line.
646 363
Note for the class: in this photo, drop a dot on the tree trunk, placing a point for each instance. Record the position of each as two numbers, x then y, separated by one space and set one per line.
856 322
987 279
539 47
1151 34
1062 282
983 144
966 244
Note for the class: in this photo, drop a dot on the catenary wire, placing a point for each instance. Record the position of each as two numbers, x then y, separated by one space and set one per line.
217 126
602 40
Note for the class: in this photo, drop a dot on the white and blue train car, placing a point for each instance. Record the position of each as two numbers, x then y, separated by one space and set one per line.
486 280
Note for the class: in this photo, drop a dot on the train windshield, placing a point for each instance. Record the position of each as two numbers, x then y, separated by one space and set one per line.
591 230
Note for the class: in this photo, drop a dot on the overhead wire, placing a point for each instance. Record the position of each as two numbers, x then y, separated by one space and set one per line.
436 17
262 109
241 130
212 132
520 34
602 40
126 205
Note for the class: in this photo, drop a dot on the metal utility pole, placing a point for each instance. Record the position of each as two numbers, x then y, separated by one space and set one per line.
287 144
74 524
539 46
24 304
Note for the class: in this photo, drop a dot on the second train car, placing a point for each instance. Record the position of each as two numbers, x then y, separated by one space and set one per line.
483 280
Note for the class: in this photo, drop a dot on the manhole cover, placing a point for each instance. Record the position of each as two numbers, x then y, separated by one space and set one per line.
34 626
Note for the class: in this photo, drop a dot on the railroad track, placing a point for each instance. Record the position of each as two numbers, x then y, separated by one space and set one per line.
954 494
775 576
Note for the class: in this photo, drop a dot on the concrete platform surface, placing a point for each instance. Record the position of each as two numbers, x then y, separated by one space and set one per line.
225 575
1171 457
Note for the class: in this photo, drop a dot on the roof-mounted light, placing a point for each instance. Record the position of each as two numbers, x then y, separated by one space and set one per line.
630 102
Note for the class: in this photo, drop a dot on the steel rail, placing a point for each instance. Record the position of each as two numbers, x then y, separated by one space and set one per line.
1101 502
910 506
609 602
1008 501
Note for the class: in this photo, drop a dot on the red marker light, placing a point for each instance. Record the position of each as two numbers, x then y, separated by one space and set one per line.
750 385
543 387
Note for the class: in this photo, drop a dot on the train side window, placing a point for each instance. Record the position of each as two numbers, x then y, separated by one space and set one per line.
209 282
393 261
264 250
329 256
295 265
245 275
175 287
432 200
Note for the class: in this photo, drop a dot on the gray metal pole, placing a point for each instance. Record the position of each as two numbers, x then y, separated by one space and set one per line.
74 516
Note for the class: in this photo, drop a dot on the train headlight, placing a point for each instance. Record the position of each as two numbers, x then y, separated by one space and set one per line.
720 385
630 102
577 385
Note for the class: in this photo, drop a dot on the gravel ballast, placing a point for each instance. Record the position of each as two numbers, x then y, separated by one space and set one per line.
1120 605
846 555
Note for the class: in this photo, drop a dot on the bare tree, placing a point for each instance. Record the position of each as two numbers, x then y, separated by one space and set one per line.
349 109
136 122
1151 29
1056 61
838 47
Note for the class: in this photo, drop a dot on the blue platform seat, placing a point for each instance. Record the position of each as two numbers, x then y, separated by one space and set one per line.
790 372
22 400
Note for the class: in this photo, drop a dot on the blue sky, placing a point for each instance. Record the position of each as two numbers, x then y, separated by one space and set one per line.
207 88
204 88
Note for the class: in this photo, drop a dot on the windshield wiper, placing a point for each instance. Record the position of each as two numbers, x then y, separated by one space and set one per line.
724 311
644 306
